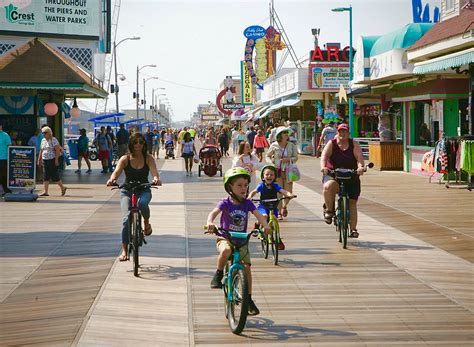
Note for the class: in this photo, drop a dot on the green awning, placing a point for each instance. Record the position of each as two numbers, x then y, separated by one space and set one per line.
69 90
445 62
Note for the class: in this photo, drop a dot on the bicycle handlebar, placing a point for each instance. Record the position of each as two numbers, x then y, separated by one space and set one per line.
228 235
274 200
349 171
134 185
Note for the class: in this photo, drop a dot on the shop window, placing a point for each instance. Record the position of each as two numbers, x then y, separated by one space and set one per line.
426 126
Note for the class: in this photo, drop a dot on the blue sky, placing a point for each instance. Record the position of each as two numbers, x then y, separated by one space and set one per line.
197 43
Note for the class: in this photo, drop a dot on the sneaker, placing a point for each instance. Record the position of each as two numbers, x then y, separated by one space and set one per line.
217 280
187 174
253 309
89 171
77 171
281 245
190 173
103 171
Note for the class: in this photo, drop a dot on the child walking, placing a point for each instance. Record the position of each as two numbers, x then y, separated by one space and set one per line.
268 190
234 212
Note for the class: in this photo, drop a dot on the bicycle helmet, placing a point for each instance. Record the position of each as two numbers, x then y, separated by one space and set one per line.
232 174
268 166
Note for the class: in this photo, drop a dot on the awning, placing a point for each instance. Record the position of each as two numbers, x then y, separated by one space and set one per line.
106 116
445 62
256 114
285 103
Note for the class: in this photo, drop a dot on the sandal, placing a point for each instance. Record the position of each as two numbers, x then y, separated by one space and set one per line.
123 257
284 212
44 194
148 230
328 216
354 234
63 191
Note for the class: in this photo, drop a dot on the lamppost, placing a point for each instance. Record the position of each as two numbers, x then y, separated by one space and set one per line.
115 67
138 73
144 93
153 98
351 71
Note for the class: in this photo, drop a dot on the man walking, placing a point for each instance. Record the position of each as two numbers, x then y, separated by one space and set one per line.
122 140
104 145
5 141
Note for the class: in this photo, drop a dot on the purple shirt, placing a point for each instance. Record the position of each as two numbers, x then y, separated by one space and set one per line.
235 217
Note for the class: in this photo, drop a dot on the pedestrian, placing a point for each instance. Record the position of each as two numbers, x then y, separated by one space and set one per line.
14 138
281 153
259 144
210 137
181 137
251 135
223 142
328 133
34 139
241 137
5 141
149 140
122 140
187 152
235 143
162 137
156 144
83 152
245 159
103 144
48 158
111 152
137 165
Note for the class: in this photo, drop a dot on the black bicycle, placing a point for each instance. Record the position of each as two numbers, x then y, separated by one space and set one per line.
342 215
136 237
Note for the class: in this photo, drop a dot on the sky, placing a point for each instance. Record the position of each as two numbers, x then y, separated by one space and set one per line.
195 44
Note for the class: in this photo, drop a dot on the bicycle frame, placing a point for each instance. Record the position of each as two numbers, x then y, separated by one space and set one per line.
236 265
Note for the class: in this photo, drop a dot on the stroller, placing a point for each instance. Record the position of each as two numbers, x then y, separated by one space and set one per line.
169 150
210 160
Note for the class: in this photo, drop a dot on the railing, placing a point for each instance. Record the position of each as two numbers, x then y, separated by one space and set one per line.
364 144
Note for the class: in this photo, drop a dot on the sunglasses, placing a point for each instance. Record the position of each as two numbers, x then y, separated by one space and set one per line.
139 142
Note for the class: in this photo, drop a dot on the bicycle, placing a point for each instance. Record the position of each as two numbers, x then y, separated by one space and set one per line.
342 214
273 238
235 286
135 233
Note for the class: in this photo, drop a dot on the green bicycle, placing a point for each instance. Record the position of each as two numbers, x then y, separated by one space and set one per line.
272 240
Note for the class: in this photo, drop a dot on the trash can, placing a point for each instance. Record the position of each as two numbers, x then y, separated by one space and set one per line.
73 148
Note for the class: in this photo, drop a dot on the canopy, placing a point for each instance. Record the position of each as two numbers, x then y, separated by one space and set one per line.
445 62
284 103
106 116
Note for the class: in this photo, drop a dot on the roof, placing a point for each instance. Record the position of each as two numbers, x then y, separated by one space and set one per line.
36 63
444 30
401 38
368 42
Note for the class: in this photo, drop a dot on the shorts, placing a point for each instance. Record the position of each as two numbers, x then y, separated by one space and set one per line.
51 171
85 154
352 186
266 211
259 150
244 251
103 155
187 155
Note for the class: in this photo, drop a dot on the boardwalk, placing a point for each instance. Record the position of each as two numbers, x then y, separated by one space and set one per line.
406 281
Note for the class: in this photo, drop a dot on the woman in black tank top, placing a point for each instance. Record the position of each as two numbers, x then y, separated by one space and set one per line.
137 165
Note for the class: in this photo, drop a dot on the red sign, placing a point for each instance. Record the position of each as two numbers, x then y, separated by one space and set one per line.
333 53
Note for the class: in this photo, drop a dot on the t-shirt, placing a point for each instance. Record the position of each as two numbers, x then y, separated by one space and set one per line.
328 134
103 142
251 136
188 147
5 141
48 148
83 144
149 138
192 132
235 217
266 192
122 137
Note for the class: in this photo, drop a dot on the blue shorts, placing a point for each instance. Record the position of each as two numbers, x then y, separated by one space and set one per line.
266 211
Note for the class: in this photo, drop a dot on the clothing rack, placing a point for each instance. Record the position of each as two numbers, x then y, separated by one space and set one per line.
459 184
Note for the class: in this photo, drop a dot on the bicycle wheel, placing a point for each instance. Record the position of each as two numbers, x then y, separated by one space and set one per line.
238 307
264 244
273 242
135 242
344 227
276 241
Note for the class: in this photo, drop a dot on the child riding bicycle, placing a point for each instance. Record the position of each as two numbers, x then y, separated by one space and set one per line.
268 190
234 217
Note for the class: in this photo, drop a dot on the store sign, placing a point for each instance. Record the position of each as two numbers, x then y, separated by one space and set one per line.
391 63
21 167
252 33
66 17
328 76
333 53
246 85
209 117
233 107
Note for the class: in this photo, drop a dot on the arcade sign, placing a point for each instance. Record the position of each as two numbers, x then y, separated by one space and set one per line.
333 53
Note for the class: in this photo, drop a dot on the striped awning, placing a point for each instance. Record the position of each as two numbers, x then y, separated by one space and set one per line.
445 62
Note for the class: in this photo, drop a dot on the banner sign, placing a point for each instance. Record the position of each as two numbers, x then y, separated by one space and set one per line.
246 85
66 17
232 107
328 77
252 33
21 167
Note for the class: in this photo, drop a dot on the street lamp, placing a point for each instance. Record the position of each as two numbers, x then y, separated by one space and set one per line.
115 67
144 93
138 73
351 73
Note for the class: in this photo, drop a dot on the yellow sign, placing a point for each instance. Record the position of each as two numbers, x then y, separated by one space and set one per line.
246 87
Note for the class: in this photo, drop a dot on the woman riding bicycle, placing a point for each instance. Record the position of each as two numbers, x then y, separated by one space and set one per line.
342 153
137 164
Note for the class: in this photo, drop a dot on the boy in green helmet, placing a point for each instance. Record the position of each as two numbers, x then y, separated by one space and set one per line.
234 212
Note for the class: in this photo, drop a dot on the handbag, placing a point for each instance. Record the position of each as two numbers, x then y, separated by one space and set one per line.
279 170
292 173
196 158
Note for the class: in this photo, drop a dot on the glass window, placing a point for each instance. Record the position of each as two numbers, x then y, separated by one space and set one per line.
449 5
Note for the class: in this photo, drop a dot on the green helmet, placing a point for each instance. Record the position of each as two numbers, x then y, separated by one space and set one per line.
235 172
268 166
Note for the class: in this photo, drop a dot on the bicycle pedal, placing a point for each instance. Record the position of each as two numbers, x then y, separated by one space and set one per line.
144 241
